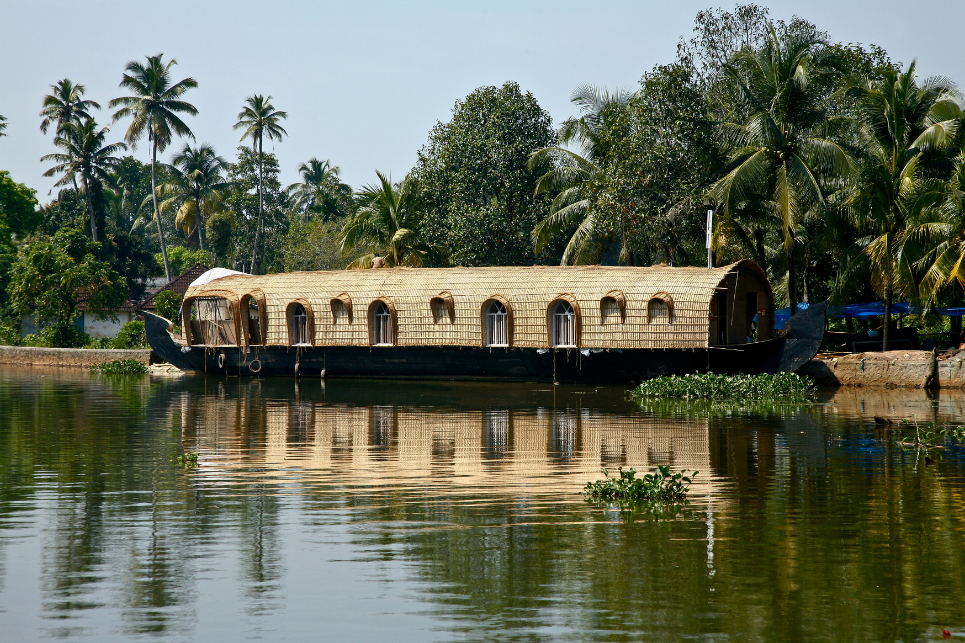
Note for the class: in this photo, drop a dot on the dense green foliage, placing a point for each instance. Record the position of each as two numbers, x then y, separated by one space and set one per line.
781 386
120 367
18 207
167 303
473 183
53 275
659 486
131 335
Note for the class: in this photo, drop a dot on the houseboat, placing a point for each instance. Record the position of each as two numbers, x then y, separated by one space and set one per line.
593 324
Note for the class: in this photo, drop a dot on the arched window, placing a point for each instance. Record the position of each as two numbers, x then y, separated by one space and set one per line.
298 327
564 325
210 322
253 318
610 311
439 312
382 325
497 325
342 309
254 325
339 312
657 312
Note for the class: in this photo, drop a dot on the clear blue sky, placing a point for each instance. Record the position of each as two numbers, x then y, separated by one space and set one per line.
364 82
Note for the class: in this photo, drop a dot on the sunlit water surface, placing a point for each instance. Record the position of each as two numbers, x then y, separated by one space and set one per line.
373 511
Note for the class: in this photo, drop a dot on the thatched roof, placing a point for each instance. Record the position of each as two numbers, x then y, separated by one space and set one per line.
527 293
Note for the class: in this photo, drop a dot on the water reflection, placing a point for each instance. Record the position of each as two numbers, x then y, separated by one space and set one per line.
452 511
315 439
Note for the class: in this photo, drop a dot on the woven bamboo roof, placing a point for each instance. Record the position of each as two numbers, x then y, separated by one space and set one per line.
528 293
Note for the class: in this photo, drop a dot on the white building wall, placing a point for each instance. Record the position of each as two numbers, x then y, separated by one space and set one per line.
91 326
105 327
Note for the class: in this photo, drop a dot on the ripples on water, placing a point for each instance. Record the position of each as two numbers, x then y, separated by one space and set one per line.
439 511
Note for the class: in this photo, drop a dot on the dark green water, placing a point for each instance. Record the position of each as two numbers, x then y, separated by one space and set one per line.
372 511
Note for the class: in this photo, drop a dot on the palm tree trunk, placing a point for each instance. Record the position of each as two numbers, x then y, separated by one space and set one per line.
885 331
791 276
90 210
761 251
157 212
200 223
261 204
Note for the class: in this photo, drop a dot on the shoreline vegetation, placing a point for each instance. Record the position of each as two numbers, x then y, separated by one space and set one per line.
835 168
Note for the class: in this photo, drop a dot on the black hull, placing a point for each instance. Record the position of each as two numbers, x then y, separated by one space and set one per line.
493 364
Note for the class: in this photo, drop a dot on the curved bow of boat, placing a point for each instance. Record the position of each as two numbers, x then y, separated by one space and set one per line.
156 329
805 332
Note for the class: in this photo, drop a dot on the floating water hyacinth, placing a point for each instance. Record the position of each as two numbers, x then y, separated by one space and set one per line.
120 367
781 386
660 486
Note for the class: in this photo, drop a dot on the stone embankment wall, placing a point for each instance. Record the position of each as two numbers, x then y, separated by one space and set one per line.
83 357
914 369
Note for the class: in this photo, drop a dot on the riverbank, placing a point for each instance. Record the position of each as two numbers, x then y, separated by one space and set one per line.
74 357
891 369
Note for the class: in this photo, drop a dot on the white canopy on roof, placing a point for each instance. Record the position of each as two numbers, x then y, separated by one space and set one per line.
214 273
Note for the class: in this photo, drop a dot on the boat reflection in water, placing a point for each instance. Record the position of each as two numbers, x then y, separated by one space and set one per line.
524 445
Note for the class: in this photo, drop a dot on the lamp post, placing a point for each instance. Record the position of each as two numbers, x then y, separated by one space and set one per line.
710 235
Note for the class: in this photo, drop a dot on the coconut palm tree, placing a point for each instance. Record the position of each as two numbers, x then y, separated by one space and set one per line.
154 105
65 104
3 125
780 151
387 221
87 154
320 187
571 175
197 179
259 119
942 227
898 121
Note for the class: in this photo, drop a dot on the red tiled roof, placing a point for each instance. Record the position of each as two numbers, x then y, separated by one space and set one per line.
178 285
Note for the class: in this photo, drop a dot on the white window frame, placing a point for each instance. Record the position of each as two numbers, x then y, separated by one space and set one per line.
299 326
497 325
382 326
564 325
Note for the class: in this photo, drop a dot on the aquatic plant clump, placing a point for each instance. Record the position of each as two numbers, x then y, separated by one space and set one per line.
187 460
782 386
660 486
121 367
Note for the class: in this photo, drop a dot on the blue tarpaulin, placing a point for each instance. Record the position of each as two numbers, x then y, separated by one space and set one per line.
862 311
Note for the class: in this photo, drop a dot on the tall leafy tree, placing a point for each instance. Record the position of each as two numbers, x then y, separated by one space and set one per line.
53 275
154 105
899 122
260 119
3 125
321 190
197 181
571 178
477 191
86 154
18 207
388 221
242 200
779 150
